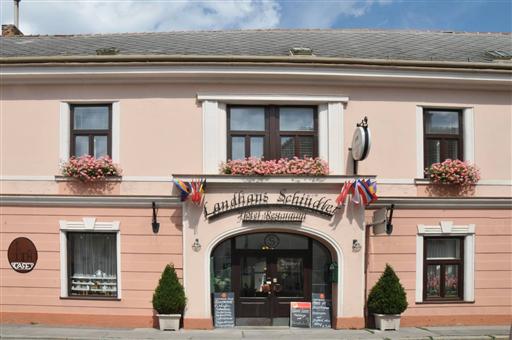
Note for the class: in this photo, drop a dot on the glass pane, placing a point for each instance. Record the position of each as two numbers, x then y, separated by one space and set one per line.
290 277
444 122
452 149
296 119
93 264
434 280
320 269
91 117
443 248
451 283
257 147
271 241
100 146
81 145
254 277
433 151
221 268
306 147
247 118
287 147
237 148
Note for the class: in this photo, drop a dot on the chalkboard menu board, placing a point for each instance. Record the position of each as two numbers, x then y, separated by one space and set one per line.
321 311
300 314
224 309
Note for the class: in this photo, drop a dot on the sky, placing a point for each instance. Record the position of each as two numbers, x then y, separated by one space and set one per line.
119 16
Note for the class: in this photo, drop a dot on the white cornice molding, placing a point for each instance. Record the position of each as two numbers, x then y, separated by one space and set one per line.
88 224
270 98
446 228
218 73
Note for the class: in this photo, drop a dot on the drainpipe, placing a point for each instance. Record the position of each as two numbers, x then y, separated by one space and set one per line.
366 259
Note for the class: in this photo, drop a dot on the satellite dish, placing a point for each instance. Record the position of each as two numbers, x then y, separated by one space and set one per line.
361 141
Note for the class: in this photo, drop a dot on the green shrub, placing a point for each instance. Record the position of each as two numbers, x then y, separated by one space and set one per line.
387 296
169 296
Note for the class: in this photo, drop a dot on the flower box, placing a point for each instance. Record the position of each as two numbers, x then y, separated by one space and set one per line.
306 166
453 172
89 169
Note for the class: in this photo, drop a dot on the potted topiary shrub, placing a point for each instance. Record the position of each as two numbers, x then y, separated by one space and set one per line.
387 300
169 300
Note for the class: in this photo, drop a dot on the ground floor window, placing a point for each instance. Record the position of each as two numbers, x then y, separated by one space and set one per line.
92 264
444 268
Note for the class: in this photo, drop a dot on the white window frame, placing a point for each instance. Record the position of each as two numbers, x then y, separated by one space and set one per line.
65 125
88 224
446 229
330 125
468 136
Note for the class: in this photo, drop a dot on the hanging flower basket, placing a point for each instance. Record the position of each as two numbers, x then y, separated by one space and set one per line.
453 172
89 169
257 167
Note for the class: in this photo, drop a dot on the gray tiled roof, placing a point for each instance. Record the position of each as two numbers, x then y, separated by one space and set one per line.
360 44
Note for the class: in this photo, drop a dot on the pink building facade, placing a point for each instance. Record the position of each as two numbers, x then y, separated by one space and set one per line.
177 114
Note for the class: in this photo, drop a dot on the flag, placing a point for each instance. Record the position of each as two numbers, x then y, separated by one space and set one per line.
197 190
356 196
184 187
345 190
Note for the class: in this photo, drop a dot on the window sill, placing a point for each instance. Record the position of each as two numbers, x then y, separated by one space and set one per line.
59 178
444 302
95 298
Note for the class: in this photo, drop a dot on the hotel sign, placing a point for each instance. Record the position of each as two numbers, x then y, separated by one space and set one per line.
259 207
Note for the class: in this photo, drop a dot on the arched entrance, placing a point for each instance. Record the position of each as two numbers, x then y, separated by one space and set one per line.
267 271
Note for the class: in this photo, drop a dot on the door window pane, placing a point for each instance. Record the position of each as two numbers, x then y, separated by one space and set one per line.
445 248
287 147
442 122
221 268
100 146
296 119
257 147
93 264
320 269
451 283
91 117
81 145
237 148
247 118
433 281
290 277
254 277
306 147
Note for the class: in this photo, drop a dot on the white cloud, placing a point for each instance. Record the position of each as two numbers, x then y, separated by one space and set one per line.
109 16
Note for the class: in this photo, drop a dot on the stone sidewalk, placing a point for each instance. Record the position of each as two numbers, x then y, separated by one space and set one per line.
424 333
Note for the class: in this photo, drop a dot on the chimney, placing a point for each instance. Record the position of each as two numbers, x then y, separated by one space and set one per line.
17 13
13 30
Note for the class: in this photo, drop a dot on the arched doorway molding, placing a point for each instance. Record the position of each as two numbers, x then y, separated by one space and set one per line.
320 236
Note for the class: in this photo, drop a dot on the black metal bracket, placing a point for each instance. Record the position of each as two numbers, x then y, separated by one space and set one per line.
154 222
364 123
389 220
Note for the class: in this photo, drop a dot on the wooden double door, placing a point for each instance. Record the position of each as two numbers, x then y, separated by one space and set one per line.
266 281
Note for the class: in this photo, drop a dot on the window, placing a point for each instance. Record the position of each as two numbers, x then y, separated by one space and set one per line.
442 135
91 130
92 264
272 132
443 268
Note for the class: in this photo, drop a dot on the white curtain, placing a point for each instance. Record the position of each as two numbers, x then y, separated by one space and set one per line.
443 248
94 253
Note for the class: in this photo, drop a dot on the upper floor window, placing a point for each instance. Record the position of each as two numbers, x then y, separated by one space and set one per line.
272 132
91 130
443 268
442 135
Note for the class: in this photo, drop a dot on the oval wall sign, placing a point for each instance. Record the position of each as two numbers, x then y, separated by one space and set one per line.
22 255
361 142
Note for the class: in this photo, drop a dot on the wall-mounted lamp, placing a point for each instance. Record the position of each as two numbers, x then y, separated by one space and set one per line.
356 246
196 245
154 222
